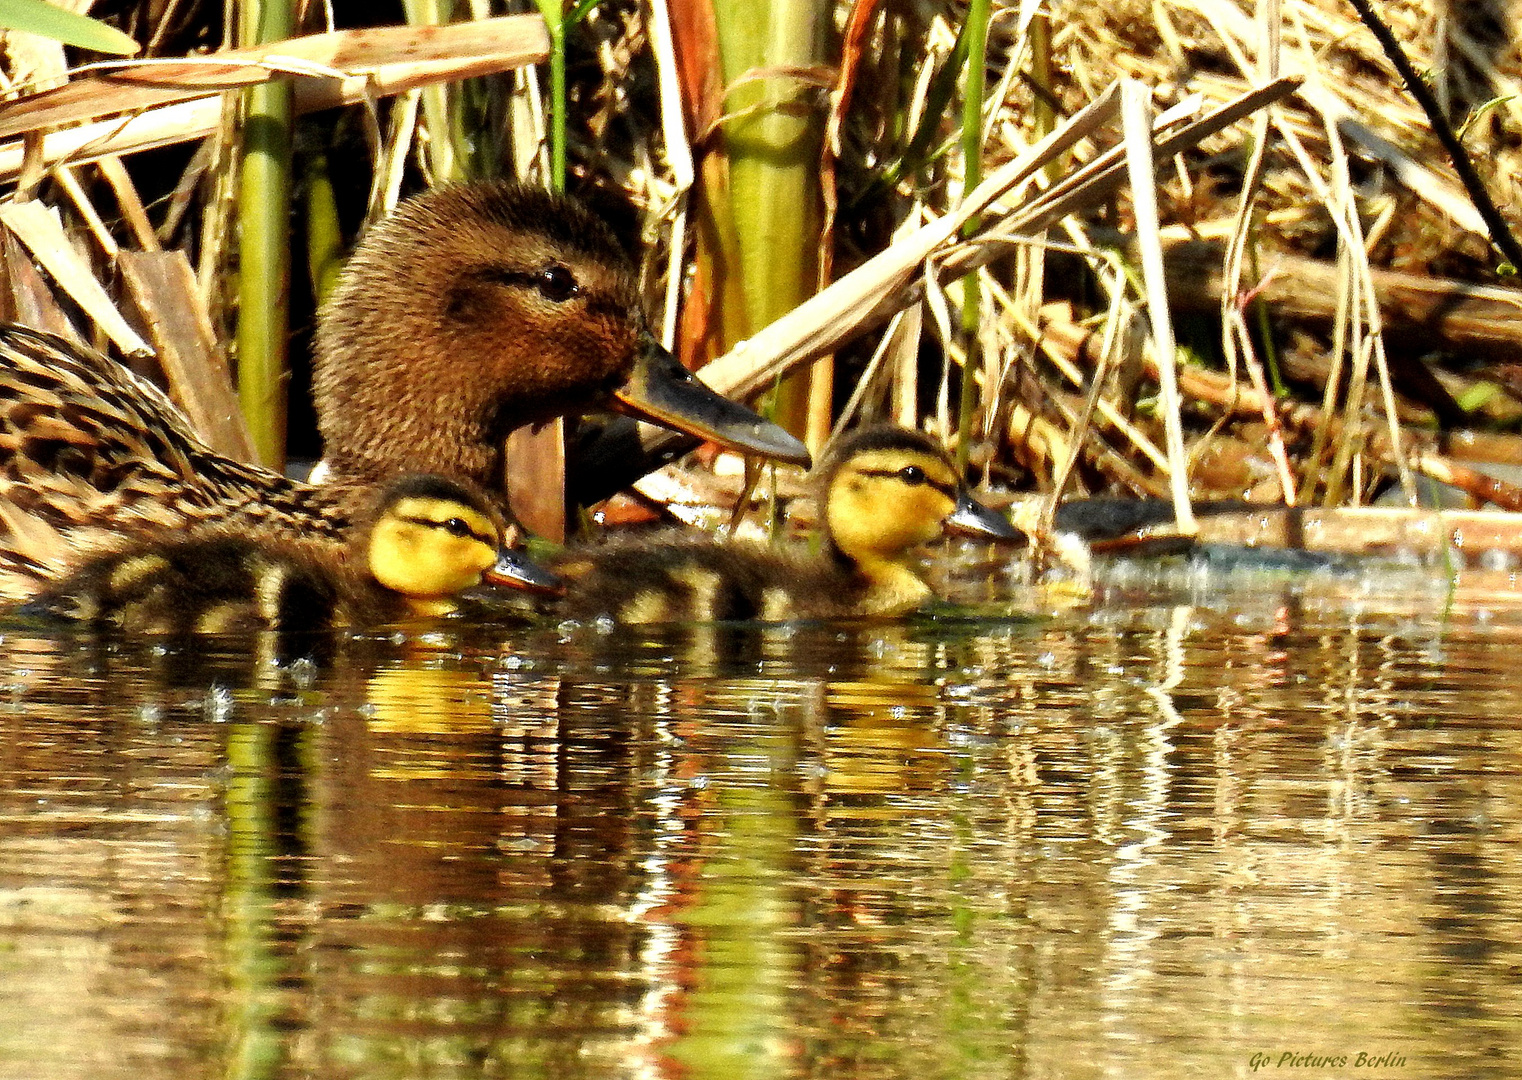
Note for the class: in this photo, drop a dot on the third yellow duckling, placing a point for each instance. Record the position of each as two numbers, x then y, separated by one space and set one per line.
884 491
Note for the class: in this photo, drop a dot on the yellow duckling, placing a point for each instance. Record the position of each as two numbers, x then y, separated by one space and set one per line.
423 542
472 310
884 491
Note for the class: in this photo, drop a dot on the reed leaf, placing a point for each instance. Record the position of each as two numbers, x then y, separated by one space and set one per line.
46 20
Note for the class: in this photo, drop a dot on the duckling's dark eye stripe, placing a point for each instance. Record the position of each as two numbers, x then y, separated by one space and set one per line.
949 490
430 523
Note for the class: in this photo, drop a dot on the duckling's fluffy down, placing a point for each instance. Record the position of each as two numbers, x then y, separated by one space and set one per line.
679 577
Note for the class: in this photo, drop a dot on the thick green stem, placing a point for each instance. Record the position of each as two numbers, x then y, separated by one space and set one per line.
556 22
773 134
324 234
264 251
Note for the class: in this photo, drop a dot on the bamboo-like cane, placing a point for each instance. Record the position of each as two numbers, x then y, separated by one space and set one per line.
264 250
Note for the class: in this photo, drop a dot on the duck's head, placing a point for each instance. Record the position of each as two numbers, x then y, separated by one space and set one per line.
477 308
431 539
887 490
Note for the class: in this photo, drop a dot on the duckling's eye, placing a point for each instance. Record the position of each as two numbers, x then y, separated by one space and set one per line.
457 527
912 475
557 284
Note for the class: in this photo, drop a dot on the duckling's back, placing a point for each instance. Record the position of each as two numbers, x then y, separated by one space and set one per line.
196 586
681 578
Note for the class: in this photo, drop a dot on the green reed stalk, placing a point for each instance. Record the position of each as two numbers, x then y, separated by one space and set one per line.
324 234
773 138
264 251
973 92
556 22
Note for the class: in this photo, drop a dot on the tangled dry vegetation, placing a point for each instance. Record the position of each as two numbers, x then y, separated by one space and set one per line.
1302 309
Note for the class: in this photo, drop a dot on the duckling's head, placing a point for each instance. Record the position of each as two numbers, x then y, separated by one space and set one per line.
477 308
432 538
888 489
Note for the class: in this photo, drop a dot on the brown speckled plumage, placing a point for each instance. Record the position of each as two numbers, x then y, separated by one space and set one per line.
438 342
89 452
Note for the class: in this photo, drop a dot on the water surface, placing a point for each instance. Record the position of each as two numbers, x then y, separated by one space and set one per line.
1222 825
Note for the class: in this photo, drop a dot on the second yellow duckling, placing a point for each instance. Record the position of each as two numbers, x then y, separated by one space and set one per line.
425 540
884 491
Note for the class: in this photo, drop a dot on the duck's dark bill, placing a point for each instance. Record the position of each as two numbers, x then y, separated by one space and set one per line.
513 570
975 519
662 391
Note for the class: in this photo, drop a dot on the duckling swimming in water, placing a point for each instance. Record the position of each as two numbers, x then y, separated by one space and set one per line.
884 492
471 310
424 541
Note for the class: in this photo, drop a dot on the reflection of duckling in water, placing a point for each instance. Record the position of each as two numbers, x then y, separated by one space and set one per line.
885 491
423 542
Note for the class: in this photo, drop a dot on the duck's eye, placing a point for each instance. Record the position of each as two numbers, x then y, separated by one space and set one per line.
912 475
458 527
557 284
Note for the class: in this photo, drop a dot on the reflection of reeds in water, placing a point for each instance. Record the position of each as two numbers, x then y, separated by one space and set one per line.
1180 826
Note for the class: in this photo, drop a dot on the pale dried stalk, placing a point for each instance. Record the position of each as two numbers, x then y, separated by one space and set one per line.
86 209
678 160
36 226
1235 28
1135 111
380 53
831 317
170 124
1236 341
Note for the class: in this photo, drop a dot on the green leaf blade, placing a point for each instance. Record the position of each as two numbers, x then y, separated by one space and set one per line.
41 18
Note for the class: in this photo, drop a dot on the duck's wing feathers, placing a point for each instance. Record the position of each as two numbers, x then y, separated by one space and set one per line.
89 451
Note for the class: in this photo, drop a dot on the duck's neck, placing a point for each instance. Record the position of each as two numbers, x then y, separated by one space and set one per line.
456 448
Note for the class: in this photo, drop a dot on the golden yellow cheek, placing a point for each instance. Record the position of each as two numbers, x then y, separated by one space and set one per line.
887 516
423 563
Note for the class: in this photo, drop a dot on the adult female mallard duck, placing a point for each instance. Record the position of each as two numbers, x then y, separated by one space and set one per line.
884 491
422 542
475 309
471 310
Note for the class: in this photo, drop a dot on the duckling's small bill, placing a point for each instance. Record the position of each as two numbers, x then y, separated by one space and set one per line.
514 570
972 518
